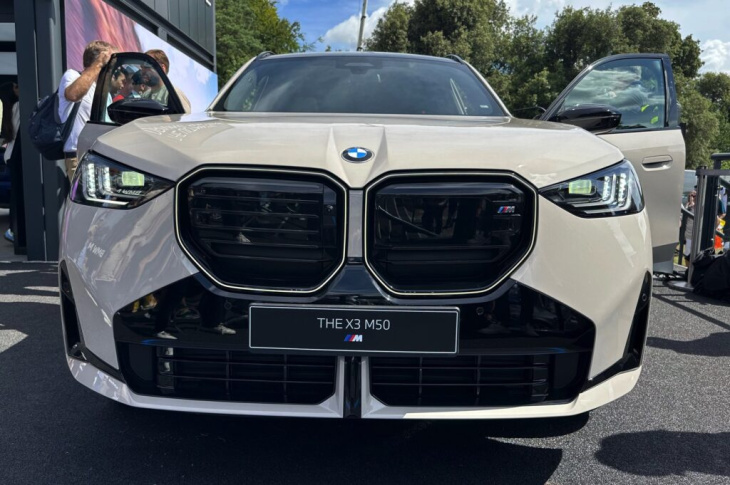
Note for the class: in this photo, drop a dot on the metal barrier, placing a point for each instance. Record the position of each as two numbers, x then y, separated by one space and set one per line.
705 215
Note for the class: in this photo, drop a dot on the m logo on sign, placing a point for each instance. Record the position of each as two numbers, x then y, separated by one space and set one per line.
506 209
353 338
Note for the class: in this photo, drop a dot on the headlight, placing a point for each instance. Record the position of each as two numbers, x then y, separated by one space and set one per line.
103 183
614 191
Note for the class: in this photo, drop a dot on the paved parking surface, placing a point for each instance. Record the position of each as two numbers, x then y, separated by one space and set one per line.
673 428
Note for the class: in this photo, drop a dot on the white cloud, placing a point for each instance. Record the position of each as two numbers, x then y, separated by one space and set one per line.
716 55
541 8
344 35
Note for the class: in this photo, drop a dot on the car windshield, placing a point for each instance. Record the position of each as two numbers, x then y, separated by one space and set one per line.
360 84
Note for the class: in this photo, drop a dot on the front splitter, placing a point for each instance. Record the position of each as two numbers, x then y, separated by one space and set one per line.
106 385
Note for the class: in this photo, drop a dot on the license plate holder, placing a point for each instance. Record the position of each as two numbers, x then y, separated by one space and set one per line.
360 330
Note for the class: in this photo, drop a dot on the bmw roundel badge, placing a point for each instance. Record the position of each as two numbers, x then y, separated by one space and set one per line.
357 154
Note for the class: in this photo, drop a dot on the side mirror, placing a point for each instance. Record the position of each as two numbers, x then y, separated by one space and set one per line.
596 118
533 112
130 109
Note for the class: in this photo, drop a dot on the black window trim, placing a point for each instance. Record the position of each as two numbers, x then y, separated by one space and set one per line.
671 107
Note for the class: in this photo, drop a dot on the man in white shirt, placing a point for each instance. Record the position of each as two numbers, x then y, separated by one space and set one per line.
78 87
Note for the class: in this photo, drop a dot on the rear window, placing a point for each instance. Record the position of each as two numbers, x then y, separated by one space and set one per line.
359 85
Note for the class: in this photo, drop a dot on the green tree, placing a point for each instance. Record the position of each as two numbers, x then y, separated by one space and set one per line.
391 32
703 123
715 86
236 40
578 37
244 28
472 29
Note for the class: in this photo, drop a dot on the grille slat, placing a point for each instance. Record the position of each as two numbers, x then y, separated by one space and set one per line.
266 258
265 245
282 200
231 380
256 230
475 368
282 215
456 384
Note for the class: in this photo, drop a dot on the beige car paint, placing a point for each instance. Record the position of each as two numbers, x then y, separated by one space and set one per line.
574 257
659 159
543 153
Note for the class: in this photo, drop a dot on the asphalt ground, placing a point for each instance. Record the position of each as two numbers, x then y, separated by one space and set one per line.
673 428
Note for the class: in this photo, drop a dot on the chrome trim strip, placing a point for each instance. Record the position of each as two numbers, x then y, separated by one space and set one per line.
264 171
507 273
355 223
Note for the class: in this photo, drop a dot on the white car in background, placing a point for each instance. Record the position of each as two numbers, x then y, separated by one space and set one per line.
370 235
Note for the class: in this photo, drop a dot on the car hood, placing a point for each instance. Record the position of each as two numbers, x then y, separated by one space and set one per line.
543 153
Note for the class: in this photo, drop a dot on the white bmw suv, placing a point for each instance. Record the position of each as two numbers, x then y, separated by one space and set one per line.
370 235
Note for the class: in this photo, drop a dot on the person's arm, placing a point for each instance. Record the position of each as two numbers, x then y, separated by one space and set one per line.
76 91
16 119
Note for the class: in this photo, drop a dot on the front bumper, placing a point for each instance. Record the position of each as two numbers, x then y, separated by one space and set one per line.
124 256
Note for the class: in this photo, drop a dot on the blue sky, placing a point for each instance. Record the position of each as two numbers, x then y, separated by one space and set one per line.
337 22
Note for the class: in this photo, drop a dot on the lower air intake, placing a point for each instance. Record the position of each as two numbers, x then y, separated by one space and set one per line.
478 381
217 375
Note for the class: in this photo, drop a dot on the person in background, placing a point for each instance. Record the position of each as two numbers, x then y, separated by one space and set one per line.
9 134
78 87
691 199
126 89
164 62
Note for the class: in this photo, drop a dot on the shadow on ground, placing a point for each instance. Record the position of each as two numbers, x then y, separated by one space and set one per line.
666 453
714 345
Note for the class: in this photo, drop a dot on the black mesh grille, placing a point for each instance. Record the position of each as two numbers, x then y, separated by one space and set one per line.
263 231
448 233
494 380
219 375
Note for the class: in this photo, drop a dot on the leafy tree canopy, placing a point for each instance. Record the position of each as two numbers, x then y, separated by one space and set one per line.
245 28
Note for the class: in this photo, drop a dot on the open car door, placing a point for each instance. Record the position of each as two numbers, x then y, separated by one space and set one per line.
640 88
132 85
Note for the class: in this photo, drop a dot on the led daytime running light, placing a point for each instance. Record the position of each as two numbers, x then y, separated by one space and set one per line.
613 191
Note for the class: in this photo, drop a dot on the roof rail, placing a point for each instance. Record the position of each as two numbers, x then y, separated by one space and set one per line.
456 58
264 55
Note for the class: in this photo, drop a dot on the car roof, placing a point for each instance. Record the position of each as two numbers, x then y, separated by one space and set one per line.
393 55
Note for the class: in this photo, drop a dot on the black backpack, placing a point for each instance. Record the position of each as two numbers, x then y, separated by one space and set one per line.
47 133
711 276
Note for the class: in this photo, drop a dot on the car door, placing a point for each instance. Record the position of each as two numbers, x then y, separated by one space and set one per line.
641 88
131 83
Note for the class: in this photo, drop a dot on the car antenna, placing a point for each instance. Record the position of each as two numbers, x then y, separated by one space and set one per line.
264 55
456 58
